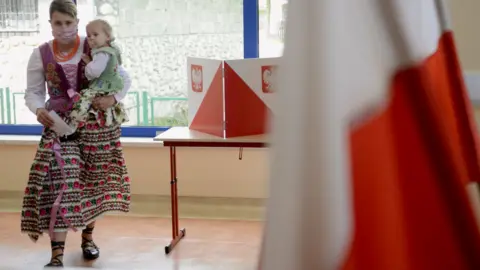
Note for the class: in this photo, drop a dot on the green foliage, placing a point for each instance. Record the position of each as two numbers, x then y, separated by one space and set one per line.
178 120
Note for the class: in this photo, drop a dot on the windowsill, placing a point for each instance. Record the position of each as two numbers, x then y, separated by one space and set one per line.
33 140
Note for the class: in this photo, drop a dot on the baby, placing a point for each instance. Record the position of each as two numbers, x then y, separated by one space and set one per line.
104 79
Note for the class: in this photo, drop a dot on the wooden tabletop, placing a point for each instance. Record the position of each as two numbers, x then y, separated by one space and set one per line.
184 134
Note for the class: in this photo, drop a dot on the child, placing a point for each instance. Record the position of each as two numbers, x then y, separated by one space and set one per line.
104 79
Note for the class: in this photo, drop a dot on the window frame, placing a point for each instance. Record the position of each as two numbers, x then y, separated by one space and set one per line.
250 50
18 8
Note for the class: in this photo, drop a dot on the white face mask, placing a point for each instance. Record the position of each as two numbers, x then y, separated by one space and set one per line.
65 35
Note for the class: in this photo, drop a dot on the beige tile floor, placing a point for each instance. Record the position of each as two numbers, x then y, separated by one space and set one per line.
129 242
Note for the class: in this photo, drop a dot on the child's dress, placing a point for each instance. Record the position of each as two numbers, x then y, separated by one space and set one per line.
103 82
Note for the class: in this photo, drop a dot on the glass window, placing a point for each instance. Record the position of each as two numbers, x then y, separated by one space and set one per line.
156 37
271 30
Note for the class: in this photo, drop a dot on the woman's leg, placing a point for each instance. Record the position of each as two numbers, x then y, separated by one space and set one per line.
91 225
58 247
87 233
89 248
42 190
104 175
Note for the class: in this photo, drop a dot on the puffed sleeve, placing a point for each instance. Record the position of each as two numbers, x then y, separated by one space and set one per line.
35 94
126 84
98 64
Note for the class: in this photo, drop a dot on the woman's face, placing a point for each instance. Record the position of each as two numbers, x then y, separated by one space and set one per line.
62 22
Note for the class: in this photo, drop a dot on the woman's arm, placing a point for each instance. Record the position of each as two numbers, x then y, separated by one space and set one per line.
35 93
126 84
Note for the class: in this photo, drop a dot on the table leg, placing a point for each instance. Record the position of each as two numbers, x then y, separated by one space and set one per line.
177 234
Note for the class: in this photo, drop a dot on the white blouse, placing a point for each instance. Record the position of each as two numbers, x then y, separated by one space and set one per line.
35 94
98 64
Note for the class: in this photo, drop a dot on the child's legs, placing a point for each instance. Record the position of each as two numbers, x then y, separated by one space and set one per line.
81 108
109 116
115 115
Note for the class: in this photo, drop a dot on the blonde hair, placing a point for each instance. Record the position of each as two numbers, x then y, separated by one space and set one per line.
107 28
67 7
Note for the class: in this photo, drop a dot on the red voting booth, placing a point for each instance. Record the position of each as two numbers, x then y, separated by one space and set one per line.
231 98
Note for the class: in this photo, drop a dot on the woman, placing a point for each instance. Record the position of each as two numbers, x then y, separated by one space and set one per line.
74 179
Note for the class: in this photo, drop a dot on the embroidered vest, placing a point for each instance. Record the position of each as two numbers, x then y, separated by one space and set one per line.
110 80
57 83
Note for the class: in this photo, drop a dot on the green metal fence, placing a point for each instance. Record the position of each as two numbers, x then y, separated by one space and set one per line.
2 111
144 106
136 96
5 111
149 110
15 105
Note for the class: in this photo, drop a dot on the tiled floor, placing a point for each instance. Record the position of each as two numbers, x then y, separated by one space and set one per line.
138 243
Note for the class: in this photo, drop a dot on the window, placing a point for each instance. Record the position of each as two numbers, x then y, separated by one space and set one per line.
272 16
156 37
18 17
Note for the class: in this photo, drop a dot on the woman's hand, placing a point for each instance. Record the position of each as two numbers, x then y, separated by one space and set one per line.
103 103
44 118
86 58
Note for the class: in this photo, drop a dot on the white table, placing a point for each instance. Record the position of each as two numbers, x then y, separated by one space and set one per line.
184 137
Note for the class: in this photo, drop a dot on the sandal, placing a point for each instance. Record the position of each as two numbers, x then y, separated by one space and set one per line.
57 260
89 248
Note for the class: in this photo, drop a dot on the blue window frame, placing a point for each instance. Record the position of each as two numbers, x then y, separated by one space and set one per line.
250 29
251 50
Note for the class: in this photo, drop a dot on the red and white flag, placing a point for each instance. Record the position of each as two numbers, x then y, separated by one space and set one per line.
374 144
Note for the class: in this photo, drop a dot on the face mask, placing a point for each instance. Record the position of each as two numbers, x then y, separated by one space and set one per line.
65 35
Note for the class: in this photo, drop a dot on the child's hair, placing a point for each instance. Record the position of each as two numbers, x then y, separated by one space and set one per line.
109 31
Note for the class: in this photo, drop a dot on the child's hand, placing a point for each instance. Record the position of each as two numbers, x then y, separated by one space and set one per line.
86 58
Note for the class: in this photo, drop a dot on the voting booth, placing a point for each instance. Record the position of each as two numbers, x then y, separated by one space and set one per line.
231 98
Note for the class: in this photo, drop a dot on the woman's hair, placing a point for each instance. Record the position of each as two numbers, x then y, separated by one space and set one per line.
67 7
107 28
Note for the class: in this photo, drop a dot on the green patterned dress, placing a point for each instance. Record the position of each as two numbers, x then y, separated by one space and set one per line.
109 83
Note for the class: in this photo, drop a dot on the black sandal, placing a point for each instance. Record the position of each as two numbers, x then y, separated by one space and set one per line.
56 261
89 248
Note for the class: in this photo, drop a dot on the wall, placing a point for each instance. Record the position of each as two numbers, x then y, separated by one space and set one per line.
465 21
201 172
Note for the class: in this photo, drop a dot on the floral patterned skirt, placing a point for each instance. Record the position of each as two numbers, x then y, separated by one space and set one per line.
82 109
96 180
